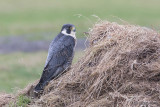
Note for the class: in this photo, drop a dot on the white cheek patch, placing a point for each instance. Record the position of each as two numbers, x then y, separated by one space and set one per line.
73 34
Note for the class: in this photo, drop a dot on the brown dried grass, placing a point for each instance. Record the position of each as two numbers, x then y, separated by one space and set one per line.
5 98
121 68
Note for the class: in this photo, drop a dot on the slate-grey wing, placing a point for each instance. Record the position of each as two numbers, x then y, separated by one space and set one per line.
51 47
61 59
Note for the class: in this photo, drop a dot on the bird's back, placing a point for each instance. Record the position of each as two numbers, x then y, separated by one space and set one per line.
51 46
61 59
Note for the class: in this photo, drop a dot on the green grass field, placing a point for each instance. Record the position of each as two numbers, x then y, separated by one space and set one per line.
19 69
30 17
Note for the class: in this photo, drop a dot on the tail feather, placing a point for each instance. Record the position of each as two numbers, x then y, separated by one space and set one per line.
39 87
47 76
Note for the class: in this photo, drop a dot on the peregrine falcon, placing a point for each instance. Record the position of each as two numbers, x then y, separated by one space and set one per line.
60 55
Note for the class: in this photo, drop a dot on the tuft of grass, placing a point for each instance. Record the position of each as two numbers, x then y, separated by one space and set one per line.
23 101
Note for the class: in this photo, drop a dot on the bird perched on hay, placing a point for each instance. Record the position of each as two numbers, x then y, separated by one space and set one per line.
60 55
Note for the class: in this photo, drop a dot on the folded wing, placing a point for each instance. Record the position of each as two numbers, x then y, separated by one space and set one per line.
61 59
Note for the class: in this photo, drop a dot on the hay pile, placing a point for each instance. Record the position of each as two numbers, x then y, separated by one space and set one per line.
5 98
121 68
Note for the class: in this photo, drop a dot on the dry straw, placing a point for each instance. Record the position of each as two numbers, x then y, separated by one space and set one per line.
121 68
5 98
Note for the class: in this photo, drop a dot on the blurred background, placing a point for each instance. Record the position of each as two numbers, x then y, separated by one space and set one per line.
28 26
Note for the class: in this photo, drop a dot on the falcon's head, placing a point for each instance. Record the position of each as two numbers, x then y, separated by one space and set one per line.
68 29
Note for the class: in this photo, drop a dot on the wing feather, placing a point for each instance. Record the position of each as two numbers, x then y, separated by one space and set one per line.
51 47
61 57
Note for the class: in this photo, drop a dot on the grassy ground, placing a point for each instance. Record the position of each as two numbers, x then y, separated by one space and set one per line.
19 69
27 16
